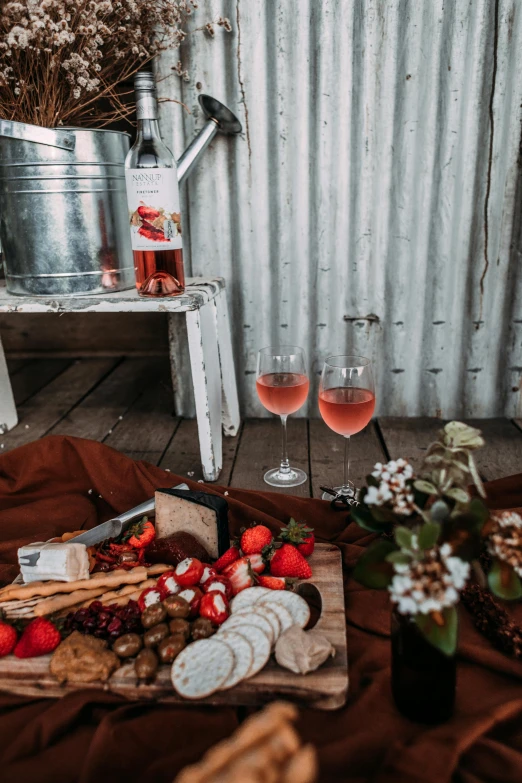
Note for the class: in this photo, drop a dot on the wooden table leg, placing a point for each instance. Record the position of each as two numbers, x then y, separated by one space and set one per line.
206 378
8 415
230 413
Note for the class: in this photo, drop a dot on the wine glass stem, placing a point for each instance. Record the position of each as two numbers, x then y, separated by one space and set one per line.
285 465
346 486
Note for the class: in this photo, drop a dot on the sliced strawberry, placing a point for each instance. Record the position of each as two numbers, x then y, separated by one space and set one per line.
229 557
240 575
189 572
272 582
214 606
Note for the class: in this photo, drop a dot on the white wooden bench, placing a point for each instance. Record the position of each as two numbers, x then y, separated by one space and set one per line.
210 350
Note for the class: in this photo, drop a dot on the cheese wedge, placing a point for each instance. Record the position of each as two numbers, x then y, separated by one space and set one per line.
203 515
61 562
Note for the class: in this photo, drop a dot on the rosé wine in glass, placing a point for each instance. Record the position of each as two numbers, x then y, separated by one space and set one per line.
282 393
346 410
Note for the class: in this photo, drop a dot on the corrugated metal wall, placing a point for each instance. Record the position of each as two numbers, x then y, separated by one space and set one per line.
373 202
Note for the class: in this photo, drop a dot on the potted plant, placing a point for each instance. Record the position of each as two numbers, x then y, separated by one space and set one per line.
436 535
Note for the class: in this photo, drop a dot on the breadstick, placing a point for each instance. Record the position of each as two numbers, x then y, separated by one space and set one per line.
302 767
108 598
57 602
108 579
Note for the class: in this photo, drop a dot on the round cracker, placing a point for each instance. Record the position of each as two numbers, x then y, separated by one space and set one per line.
243 654
260 645
283 615
247 597
269 614
252 617
202 668
295 604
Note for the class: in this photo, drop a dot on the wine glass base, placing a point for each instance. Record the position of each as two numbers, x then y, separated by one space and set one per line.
340 490
293 478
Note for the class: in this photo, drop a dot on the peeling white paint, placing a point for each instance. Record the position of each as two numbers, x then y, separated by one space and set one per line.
365 183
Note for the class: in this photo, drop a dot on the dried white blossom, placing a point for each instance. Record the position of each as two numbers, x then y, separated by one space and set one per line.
430 582
393 488
505 540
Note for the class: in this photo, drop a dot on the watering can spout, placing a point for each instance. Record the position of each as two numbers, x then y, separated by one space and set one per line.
219 119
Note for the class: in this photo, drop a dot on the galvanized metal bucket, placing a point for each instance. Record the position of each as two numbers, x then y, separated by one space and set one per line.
64 223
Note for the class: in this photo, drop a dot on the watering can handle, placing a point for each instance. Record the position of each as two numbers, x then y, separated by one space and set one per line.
53 138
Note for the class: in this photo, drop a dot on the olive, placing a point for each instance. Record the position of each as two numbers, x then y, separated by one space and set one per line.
153 615
146 664
155 635
170 647
180 626
176 606
202 628
128 645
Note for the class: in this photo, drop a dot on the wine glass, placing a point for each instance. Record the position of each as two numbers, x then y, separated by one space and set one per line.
282 386
346 403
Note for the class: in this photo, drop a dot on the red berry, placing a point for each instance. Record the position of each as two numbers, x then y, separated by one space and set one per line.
272 582
148 597
214 606
255 539
192 596
40 637
301 536
167 584
287 561
240 575
8 638
141 534
218 584
229 557
189 572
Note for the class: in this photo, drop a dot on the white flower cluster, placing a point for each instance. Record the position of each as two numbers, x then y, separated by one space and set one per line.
505 541
392 487
430 584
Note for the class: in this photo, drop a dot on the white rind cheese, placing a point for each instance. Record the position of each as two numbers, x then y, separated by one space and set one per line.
61 562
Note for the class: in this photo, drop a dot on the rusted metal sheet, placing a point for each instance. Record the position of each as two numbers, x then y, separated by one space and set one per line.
373 202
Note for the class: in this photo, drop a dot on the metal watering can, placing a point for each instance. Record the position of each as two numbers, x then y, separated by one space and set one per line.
64 225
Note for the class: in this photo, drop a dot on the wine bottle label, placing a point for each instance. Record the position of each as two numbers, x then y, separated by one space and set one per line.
154 213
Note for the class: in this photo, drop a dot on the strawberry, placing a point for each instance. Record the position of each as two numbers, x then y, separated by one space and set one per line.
40 637
189 571
141 534
218 584
272 582
301 536
214 606
8 638
287 561
255 539
229 557
240 575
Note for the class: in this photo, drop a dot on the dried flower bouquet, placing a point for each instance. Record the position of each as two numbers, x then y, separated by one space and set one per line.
434 532
59 57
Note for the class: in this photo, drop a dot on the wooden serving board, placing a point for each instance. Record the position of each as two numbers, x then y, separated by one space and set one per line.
324 689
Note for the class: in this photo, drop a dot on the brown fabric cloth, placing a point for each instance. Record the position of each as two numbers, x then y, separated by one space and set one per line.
59 484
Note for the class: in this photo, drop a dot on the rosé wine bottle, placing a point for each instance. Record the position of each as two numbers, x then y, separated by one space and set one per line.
153 199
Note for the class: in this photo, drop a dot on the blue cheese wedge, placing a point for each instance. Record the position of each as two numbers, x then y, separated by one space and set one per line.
60 562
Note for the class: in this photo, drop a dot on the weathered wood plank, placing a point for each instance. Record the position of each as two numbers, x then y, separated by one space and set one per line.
502 455
183 456
35 375
15 365
409 438
260 450
96 415
45 409
148 426
327 454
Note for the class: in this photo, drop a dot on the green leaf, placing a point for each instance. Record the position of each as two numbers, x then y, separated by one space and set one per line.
372 570
443 637
479 510
398 558
458 494
362 515
382 514
425 486
460 435
439 511
504 582
403 536
428 535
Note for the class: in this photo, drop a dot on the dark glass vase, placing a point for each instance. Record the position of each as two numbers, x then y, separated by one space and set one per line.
423 678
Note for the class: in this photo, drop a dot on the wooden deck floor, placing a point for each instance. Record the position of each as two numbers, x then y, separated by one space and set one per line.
127 404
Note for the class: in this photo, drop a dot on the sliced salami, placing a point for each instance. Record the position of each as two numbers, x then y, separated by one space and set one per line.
202 668
295 604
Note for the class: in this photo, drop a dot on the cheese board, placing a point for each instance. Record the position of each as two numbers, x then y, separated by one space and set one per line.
326 688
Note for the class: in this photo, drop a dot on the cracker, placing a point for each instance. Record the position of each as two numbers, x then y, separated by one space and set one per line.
260 644
283 615
248 597
253 618
202 668
243 654
296 605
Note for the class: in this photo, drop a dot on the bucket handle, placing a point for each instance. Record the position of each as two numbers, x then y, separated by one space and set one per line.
34 133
